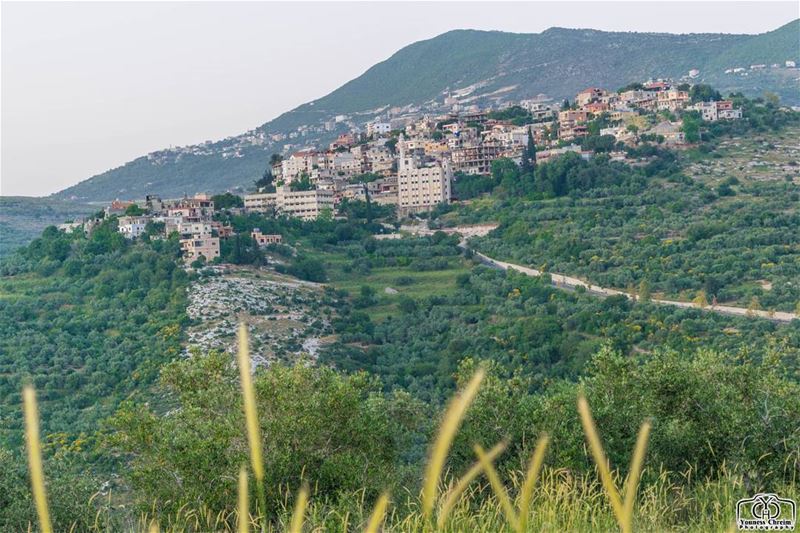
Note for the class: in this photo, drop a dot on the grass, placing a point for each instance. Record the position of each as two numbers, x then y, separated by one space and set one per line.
540 499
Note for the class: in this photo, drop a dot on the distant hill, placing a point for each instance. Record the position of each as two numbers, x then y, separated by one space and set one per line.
479 66
23 218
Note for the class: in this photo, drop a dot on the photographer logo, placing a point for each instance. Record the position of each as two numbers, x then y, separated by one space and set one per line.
766 512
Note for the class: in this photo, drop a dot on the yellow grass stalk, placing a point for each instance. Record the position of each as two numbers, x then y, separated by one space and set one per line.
632 483
534 468
296 526
35 458
453 495
250 412
378 514
244 507
154 528
441 446
623 510
497 487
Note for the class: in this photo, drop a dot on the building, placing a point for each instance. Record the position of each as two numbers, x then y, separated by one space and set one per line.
117 207
264 240
262 202
672 100
378 128
132 227
420 188
307 205
713 111
476 158
589 95
298 163
200 245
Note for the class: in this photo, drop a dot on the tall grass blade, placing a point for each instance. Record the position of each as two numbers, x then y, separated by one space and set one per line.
497 487
296 526
35 458
244 507
632 483
452 420
602 463
452 496
378 514
250 412
251 419
534 468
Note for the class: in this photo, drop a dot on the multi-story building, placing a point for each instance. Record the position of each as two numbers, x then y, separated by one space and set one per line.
378 128
307 205
200 245
262 202
132 227
419 187
721 110
298 163
589 95
476 158
672 100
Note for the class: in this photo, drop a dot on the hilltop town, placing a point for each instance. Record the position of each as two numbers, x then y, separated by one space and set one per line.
411 162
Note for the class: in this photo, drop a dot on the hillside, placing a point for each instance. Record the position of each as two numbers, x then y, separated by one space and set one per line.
23 218
478 66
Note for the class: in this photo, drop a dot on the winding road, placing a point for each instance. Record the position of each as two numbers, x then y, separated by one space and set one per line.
563 281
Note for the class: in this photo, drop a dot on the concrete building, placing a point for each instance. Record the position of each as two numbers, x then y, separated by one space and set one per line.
132 227
200 245
378 128
265 239
421 188
262 202
307 205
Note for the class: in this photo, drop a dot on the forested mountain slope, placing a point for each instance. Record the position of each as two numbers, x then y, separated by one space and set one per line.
481 65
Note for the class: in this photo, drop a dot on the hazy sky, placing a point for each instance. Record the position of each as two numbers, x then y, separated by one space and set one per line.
90 86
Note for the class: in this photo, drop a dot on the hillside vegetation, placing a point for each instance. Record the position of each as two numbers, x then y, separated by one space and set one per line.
558 62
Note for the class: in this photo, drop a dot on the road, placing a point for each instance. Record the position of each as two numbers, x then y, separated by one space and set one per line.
563 281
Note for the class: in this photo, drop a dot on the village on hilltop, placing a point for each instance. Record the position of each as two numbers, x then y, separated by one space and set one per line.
411 161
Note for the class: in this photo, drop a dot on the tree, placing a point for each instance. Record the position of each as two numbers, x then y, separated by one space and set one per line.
266 182
227 201
691 126
704 93
529 155
644 291
134 210
337 433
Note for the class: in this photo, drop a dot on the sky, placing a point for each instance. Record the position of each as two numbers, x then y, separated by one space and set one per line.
85 87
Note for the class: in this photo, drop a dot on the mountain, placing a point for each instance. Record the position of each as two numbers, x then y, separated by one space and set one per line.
476 67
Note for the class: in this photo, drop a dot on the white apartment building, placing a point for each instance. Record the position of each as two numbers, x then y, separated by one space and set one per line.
419 188
132 227
378 128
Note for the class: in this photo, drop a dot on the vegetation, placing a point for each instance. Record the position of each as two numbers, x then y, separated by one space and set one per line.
88 321
421 71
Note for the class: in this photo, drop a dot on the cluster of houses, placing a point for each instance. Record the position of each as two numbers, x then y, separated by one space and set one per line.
412 164
412 161
191 218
